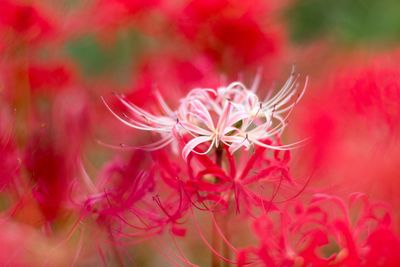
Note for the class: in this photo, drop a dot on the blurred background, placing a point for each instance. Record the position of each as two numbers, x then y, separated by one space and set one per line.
58 58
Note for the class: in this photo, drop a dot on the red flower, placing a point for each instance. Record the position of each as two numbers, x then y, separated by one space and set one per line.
48 76
373 91
325 232
231 30
49 173
353 121
27 21
54 146
118 189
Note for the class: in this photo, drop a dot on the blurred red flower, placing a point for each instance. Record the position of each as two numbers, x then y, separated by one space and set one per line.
232 32
315 235
48 77
27 21
353 123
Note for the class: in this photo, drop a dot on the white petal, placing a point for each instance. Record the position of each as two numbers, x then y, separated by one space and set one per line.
192 144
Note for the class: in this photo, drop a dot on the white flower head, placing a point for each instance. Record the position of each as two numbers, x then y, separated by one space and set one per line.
233 116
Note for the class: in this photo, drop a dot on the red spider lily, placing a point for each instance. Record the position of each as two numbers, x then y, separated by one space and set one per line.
255 182
119 188
246 181
217 123
373 90
362 98
325 232
127 202
120 202
26 21
226 29
215 150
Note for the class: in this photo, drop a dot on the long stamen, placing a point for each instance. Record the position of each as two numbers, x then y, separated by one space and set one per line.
242 119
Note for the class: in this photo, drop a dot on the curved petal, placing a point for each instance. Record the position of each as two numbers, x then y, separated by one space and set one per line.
192 144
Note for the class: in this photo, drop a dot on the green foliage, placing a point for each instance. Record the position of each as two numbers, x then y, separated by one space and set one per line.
114 59
350 21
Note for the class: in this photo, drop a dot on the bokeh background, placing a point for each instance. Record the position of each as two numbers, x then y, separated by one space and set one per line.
58 58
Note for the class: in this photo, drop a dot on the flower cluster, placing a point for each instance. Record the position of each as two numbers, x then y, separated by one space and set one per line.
310 235
231 115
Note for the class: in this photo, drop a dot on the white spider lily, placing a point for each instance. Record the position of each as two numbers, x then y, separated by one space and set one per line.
203 129
268 118
232 116
143 120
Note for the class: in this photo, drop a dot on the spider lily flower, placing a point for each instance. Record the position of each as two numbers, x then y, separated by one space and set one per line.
204 130
264 119
233 116
356 234
121 197
145 121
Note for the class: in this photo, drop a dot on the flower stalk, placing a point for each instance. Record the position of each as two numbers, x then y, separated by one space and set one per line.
216 239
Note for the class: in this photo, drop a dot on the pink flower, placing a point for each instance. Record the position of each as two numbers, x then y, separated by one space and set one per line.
113 196
233 116
129 199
